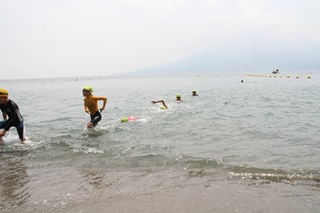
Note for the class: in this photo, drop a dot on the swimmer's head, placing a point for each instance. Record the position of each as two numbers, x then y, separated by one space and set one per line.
178 96
3 96
124 119
163 107
87 89
3 92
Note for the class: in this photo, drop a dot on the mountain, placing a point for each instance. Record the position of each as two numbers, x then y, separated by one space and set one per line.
247 55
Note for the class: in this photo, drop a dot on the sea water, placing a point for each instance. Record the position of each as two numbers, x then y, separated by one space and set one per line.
247 129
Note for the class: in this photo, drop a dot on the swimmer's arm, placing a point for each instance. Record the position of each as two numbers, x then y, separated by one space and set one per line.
164 104
162 101
154 102
104 99
86 108
3 132
4 115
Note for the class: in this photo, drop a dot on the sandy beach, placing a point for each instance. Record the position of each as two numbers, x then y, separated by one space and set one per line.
188 192
202 195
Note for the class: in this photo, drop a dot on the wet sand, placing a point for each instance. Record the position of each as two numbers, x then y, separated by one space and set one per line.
89 190
198 193
221 197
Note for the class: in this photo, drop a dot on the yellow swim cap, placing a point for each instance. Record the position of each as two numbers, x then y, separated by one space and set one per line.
4 92
178 96
89 88
124 119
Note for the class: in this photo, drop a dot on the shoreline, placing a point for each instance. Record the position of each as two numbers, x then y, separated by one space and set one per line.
165 191
221 196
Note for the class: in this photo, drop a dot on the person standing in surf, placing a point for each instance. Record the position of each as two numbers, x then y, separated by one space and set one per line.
91 106
11 110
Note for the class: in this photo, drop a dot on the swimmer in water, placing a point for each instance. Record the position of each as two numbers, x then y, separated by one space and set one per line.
11 116
160 101
194 93
91 106
178 97
126 119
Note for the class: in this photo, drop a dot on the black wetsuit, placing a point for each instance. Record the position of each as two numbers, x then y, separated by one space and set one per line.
14 118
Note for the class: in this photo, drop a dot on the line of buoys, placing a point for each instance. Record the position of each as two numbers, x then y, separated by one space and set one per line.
274 76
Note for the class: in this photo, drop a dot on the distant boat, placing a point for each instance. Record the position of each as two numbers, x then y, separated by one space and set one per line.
275 71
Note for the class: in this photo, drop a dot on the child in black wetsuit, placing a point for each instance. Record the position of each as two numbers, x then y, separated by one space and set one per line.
10 108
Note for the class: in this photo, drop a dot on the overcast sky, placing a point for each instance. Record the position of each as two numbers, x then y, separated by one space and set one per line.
64 38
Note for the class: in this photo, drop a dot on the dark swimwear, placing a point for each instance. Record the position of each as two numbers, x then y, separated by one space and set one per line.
95 118
15 119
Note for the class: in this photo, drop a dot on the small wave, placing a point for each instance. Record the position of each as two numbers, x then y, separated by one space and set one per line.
12 144
169 160
266 176
192 162
95 132
88 150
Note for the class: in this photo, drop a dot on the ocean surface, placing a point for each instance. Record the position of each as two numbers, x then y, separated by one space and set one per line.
263 132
